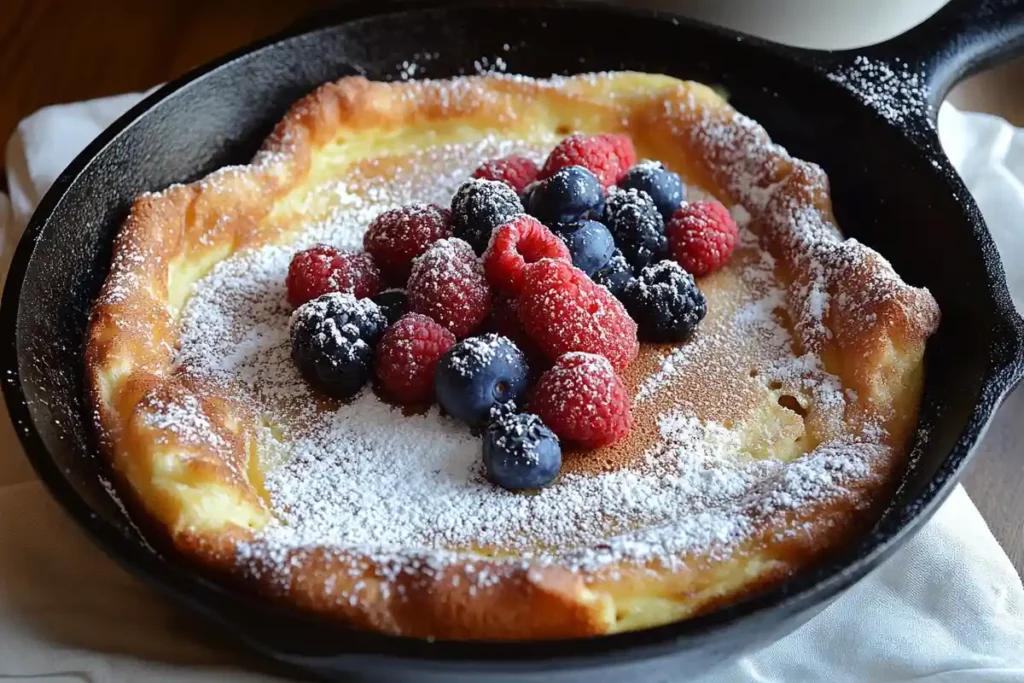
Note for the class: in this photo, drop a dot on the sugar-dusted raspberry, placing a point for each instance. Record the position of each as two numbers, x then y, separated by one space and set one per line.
607 156
396 237
515 171
514 245
701 236
407 357
583 401
322 269
447 283
563 310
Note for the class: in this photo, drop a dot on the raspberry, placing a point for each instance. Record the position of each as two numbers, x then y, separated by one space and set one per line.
607 156
521 241
516 172
563 310
322 269
447 283
583 401
701 236
407 356
398 236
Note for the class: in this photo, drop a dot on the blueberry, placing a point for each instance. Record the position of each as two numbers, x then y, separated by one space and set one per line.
637 226
478 207
569 194
661 184
590 244
665 302
393 304
332 339
615 275
520 452
478 373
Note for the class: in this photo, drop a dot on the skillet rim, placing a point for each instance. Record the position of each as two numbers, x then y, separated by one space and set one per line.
797 595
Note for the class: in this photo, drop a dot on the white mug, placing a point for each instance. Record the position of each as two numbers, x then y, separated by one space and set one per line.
823 24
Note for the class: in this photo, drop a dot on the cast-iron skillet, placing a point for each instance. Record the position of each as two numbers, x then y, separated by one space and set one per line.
893 189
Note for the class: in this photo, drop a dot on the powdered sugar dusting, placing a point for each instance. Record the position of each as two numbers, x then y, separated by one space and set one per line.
365 477
897 94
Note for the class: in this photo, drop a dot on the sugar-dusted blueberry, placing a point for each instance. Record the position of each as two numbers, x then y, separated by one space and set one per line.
520 452
590 244
478 373
662 185
332 340
615 275
478 207
393 303
569 194
637 226
665 302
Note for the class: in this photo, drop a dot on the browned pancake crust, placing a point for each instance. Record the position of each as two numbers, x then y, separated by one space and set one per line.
873 337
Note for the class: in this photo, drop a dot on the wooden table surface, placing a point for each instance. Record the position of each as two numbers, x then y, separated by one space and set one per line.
59 51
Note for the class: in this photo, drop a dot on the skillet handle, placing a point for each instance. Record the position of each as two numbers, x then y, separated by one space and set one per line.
962 38
906 78
1008 348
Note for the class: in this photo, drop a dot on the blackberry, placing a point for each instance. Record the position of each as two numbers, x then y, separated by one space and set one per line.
637 226
332 338
393 303
615 275
662 185
478 207
520 452
571 193
665 302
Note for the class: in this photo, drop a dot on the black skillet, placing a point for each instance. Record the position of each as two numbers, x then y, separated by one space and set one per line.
893 189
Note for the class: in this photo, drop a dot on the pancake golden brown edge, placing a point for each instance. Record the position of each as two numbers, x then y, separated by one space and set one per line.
771 439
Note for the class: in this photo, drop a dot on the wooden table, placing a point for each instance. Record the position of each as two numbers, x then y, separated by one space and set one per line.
60 50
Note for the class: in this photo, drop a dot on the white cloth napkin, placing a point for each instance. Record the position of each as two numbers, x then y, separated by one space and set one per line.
948 607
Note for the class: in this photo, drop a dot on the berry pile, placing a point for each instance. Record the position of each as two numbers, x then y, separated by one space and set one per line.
565 267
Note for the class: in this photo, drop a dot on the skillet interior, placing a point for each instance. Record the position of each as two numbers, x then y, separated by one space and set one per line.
897 195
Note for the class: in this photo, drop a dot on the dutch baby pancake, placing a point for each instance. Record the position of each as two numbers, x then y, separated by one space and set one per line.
504 358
